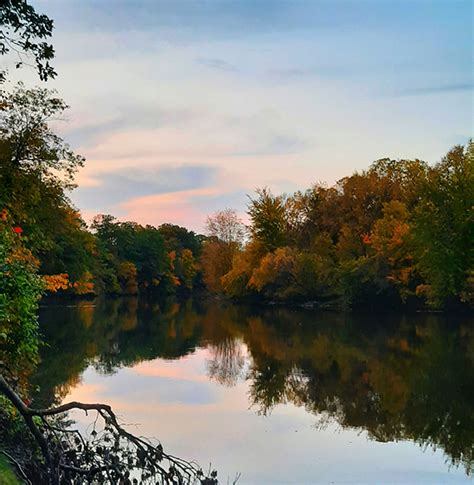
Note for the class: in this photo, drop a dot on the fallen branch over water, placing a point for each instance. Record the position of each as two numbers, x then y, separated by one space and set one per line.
106 454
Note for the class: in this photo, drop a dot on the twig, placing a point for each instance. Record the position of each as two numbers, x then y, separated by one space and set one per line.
17 465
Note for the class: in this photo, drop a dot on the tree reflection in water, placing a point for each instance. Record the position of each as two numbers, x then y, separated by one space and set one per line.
228 361
397 377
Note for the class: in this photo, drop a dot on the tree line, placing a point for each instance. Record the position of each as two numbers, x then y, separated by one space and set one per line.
399 233
36 176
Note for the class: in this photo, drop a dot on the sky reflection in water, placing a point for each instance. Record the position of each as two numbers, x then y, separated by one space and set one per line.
201 377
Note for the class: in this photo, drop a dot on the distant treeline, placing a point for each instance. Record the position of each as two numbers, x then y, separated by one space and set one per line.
36 174
400 233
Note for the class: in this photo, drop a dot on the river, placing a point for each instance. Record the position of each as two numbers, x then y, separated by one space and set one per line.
279 395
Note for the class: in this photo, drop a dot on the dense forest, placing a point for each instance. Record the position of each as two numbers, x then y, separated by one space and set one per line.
399 233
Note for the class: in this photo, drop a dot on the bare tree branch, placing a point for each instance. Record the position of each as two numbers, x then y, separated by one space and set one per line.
111 455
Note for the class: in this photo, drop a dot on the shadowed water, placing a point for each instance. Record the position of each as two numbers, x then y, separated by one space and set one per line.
280 395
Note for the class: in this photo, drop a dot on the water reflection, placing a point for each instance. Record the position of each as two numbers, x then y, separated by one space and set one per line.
398 378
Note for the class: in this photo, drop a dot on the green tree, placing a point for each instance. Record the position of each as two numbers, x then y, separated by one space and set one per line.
142 246
269 219
36 165
24 31
178 238
444 226
20 290
36 169
28 142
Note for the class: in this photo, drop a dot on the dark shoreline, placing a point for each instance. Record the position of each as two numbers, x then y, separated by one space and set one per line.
335 305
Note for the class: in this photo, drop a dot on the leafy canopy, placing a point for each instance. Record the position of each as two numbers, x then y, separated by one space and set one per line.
24 31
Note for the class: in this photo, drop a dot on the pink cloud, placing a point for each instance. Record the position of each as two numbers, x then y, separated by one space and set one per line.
176 207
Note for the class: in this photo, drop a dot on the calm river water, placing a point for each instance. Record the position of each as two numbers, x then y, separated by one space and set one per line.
280 395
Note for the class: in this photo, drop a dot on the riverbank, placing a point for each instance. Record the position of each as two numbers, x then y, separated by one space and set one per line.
7 475
337 305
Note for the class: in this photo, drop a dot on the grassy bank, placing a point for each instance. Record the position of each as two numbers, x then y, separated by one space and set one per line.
7 476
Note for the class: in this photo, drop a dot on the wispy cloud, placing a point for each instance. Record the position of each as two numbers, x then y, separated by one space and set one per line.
302 72
215 63
85 133
446 88
274 145
122 185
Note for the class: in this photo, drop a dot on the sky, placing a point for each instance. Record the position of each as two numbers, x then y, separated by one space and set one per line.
183 108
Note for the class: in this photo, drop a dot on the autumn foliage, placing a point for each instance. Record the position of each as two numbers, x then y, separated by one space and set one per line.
400 233
397 234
